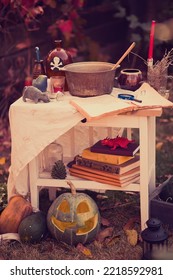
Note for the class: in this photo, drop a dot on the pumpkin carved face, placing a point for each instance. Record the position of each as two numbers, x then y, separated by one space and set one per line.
73 218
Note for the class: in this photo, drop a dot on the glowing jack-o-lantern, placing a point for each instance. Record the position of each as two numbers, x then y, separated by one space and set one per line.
73 218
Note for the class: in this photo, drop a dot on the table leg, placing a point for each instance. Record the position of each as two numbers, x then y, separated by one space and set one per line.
152 153
33 175
144 174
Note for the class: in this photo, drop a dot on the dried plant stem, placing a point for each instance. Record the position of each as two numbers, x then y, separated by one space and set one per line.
139 57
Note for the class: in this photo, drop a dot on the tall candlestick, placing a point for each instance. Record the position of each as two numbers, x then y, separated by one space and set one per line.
151 43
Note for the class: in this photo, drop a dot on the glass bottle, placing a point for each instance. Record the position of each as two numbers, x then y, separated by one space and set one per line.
56 59
53 153
38 69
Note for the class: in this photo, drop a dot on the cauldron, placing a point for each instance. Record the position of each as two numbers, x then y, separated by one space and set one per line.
86 79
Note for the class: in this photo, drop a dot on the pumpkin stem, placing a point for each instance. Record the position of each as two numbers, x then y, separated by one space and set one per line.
72 187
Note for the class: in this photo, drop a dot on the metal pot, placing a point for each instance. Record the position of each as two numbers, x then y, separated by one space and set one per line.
89 78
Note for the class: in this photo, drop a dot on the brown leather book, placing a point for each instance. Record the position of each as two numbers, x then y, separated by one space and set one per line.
103 174
101 178
107 167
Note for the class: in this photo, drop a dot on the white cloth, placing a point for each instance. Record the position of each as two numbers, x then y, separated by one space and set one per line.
33 127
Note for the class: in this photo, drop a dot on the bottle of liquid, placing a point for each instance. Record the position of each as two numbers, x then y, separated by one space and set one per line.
56 59
38 68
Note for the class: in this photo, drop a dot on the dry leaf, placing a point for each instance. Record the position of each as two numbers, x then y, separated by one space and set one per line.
105 222
112 240
102 235
132 236
80 247
2 160
159 146
97 244
130 223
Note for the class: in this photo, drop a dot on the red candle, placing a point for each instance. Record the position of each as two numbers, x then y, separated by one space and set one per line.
151 44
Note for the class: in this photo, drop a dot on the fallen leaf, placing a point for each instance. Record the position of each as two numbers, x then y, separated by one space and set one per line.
131 222
112 240
132 236
102 235
2 160
159 145
105 222
84 250
97 244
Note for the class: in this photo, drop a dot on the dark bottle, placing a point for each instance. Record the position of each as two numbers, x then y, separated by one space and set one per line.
38 68
56 59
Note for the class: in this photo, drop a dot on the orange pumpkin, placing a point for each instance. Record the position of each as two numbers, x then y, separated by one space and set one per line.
16 210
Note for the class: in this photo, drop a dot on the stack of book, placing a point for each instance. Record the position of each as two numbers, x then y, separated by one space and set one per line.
99 163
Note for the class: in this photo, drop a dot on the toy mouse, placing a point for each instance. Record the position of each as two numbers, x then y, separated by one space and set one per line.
33 93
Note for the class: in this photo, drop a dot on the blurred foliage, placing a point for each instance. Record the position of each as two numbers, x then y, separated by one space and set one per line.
25 24
86 27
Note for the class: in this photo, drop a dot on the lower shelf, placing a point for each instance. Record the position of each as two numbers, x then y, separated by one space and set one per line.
46 180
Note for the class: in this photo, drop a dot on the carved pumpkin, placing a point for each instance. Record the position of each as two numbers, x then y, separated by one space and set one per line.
16 210
73 218
33 228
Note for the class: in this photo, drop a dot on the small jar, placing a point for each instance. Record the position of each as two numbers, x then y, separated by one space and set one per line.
53 153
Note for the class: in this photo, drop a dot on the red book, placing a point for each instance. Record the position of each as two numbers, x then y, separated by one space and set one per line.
131 149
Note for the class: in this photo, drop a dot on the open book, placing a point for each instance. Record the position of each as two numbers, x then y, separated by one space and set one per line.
109 104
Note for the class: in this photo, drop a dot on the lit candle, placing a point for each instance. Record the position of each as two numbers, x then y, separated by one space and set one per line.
151 44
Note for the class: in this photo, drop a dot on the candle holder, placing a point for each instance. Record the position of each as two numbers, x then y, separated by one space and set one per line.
154 238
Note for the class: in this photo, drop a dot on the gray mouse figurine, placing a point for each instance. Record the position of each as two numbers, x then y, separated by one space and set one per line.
33 93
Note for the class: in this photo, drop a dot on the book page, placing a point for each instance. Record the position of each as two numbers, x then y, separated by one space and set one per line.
149 96
109 104
99 106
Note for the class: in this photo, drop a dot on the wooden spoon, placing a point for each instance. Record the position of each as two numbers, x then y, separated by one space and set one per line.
124 55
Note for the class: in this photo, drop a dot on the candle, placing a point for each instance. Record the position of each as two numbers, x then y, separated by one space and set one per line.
151 44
